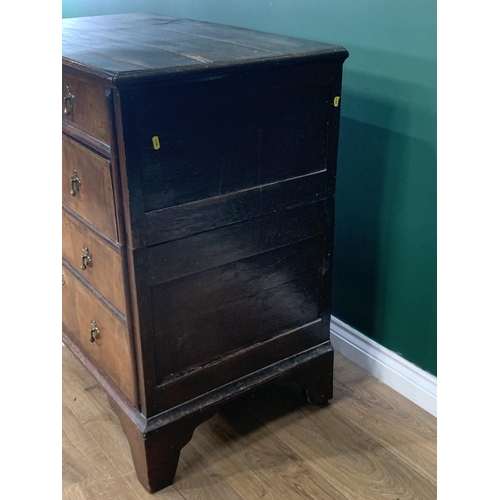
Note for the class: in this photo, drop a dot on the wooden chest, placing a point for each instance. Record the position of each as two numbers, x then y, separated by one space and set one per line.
198 200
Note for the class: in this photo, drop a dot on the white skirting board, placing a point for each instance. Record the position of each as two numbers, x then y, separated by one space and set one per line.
390 368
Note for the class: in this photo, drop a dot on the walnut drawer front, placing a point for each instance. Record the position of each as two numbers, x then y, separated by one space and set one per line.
96 260
109 348
84 107
87 187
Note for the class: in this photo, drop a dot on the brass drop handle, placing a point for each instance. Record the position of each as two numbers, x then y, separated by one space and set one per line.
75 183
86 260
68 101
94 331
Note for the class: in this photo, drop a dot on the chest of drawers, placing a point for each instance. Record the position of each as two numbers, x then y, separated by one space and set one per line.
198 200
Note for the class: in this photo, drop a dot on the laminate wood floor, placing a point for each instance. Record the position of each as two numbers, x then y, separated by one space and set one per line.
370 443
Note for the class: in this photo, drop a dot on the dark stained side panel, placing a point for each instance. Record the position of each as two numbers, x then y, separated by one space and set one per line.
198 140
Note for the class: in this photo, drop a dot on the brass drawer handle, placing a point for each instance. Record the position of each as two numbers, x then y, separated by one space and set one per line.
68 101
86 260
75 182
94 331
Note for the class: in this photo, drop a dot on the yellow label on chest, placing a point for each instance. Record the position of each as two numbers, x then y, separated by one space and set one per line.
156 142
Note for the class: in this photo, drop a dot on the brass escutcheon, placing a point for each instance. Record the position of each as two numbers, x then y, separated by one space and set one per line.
86 260
68 101
75 183
94 331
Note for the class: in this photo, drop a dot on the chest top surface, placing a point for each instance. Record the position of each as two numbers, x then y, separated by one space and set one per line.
123 46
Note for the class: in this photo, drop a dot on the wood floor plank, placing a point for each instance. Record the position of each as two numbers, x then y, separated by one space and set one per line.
388 418
89 403
168 493
197 480
356 464
82 457
87 472
215 448
76 382
350 374
237 442
113 442
100 486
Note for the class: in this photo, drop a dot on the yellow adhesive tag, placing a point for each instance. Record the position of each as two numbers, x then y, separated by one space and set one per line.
156 142
336 100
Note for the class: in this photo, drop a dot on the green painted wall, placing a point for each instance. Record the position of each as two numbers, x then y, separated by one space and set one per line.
385 256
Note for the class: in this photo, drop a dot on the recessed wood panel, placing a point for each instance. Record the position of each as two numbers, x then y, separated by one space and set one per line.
231 141
208 315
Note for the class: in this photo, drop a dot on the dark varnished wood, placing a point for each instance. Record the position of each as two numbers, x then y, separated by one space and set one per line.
272 129
226 309
316 383
156 452
217 241
266 42
94 201
197 217
127 46
232 243
130 187
271 136
237 365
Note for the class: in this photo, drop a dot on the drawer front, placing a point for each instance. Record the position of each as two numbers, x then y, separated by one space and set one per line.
96 260
84 106
109 349
87 187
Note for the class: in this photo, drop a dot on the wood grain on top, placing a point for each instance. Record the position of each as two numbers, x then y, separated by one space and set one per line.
127 44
